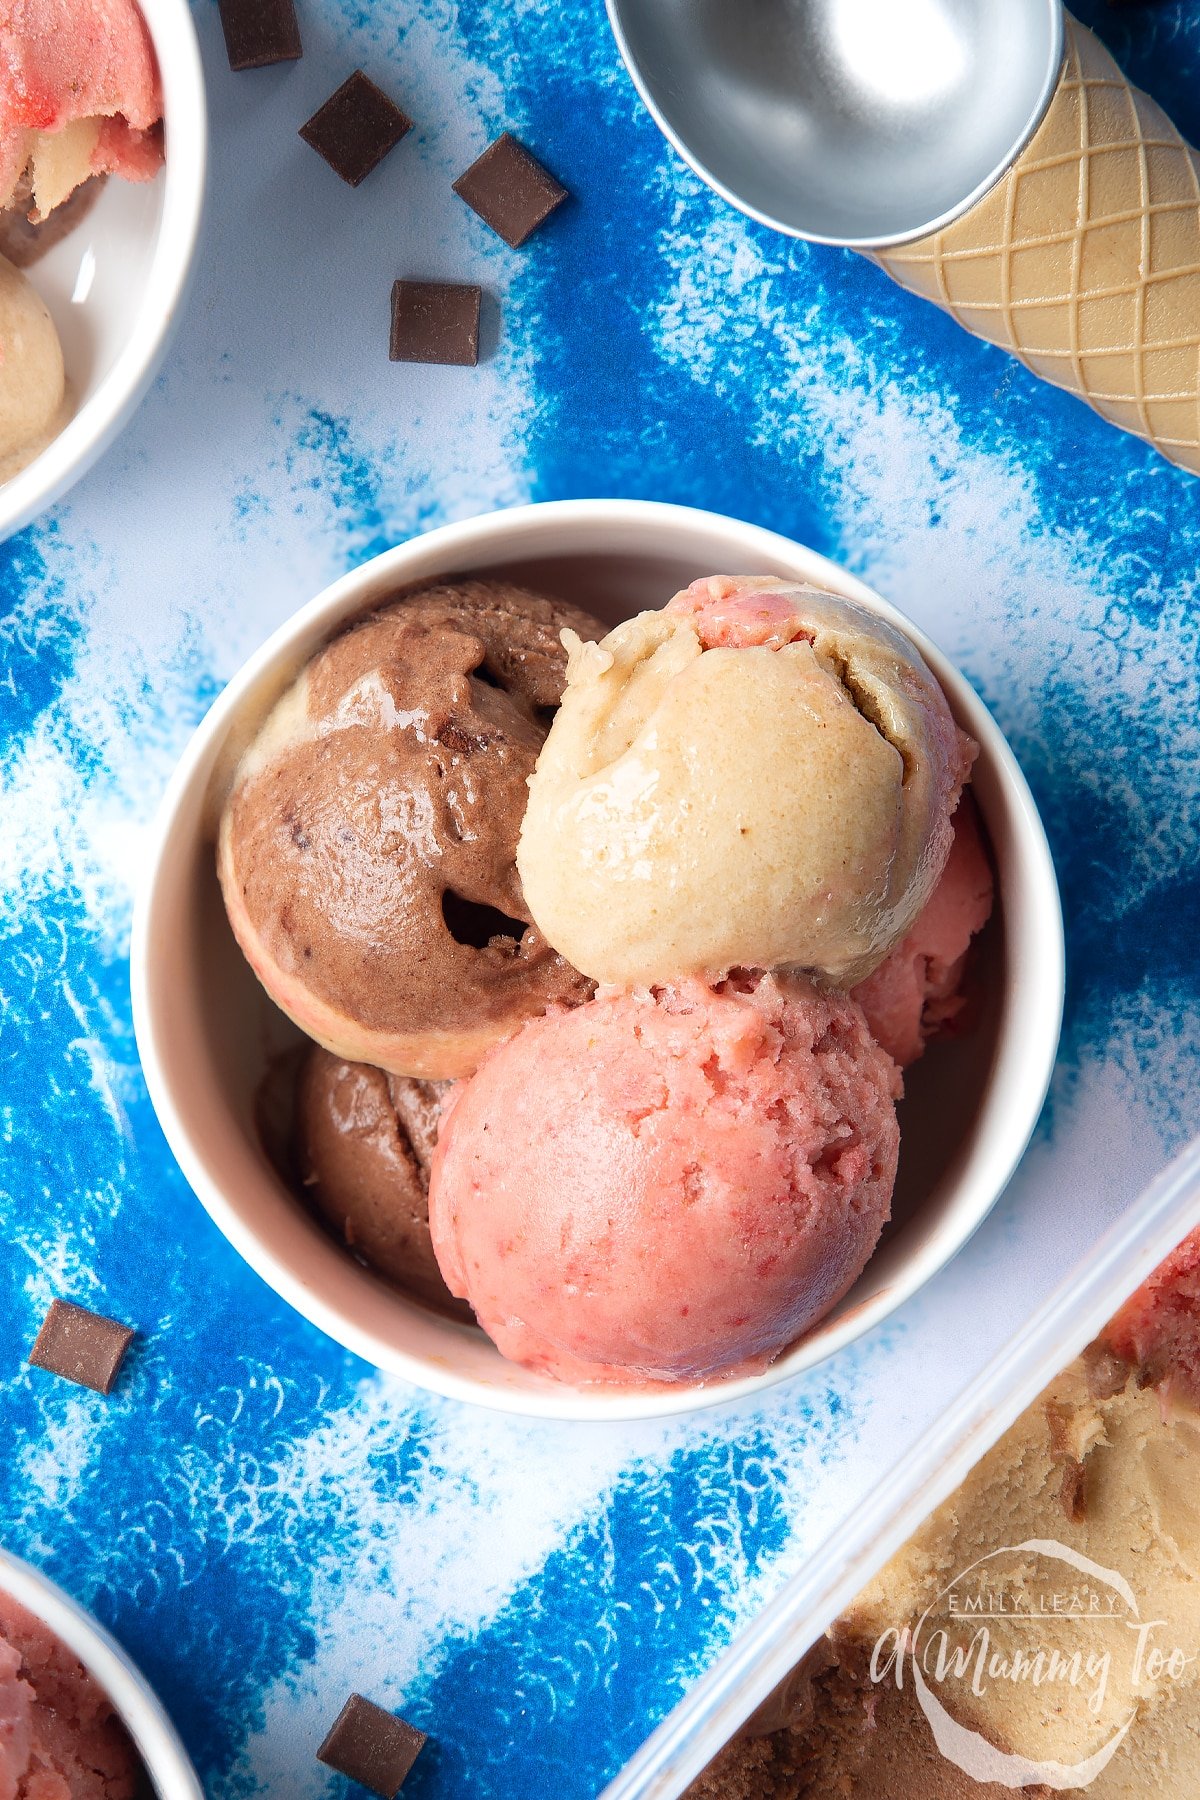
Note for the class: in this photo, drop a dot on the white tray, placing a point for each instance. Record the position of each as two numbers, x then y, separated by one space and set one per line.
761 1656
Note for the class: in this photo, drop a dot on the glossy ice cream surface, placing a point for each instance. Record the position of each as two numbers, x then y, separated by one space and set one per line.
667 1184
366 851
60 1738
79 96
761 774
363 1145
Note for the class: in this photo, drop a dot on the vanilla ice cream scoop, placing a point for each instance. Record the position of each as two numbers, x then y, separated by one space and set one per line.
31 372
761 774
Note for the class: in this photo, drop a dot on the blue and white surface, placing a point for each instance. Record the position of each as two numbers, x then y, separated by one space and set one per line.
262 1520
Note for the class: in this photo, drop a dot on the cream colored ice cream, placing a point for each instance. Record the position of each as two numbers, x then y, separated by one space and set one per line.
32 384
1104 1477
761 774
1092 1470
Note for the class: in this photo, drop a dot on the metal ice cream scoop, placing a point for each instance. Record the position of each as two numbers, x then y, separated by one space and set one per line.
990 157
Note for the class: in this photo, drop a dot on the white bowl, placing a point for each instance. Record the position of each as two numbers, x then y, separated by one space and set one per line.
205 1028
115 285
140 1709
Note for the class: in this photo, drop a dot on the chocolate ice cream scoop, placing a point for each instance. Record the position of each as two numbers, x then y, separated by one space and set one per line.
362 1146
367 850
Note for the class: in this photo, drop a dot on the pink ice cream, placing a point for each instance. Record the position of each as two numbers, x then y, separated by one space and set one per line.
1158 1328
668 1184
741 612
918 990
60 1738
79 96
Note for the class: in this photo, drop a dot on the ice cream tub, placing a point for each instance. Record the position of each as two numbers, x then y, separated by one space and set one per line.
207 1032
750 1672
57 1636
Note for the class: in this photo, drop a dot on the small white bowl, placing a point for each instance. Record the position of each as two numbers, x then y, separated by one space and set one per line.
140 1709
115 285
205 1028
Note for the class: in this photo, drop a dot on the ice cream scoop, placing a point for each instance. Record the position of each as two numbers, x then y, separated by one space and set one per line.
761 774
32 383
366 851
993 158
363 1143
79 96
918 990
669 1184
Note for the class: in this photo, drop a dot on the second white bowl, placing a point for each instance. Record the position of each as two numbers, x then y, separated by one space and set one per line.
206 1029
139 1707
115 286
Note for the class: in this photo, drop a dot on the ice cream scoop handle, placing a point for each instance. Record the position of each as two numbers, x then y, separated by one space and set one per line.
1084 259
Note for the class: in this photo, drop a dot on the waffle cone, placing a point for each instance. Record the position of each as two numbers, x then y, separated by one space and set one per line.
1084 259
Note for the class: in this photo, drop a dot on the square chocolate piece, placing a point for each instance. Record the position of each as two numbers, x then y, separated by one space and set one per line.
81 1346
435 322
355 128
371 1746
260 32
510 190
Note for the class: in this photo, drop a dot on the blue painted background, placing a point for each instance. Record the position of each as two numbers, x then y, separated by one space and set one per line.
264 1521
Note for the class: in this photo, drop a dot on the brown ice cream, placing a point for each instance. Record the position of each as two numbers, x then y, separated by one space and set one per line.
1102 1466
367 850
362 1146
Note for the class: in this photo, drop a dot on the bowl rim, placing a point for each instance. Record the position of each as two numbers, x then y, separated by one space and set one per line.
448 543
89 432
139 1707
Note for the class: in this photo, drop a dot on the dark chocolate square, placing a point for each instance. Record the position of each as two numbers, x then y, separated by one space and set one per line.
435 322
260 32
510 190
81 1346
355 128
371 1746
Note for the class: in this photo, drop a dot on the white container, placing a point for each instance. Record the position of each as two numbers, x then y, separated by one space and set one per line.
759 1658
134 1699
204 1026
115 285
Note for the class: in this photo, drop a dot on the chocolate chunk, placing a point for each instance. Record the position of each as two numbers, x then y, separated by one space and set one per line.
510 190
355 128
1073 1492
371 1746
22 242
435 322
81 1346
260 32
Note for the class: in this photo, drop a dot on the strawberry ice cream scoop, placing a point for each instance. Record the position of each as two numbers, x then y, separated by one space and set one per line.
1158 1328
919 989
79 96
669 1184
60 1738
